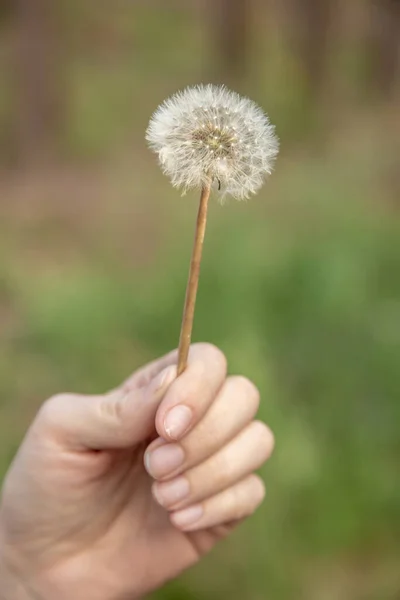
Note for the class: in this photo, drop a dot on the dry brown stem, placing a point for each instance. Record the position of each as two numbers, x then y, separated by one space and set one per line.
193 281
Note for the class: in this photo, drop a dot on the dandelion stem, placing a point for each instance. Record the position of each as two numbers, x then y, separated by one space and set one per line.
193 281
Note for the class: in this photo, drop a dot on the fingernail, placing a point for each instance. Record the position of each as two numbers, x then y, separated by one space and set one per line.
171 492
188 516
164 460
177 421
164 378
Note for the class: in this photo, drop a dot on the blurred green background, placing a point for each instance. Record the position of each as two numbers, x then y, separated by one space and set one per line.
300 286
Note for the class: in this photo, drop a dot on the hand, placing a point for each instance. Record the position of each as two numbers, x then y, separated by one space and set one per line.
110 496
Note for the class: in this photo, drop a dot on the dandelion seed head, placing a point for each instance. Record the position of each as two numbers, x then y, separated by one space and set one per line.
208 134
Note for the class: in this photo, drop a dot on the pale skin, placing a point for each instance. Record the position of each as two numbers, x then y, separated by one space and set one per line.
111 496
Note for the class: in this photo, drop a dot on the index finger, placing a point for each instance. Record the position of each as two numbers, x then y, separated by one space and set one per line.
190 395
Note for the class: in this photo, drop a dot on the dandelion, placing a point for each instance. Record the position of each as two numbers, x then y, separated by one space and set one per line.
210 135
210 138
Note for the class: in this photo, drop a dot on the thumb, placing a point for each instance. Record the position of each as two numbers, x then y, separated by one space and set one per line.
119 419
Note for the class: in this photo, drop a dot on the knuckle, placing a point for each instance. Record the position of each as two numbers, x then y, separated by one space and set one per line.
257 487
112 413
248 496
216 354
265 438
237 501
111 409
246 388
221 468
189 393
52 409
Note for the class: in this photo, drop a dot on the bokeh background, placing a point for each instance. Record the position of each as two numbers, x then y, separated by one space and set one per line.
300 286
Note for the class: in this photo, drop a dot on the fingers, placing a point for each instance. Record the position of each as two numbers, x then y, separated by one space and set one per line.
233 409
126 416
120 419
206 478
191 394
232 463
233 504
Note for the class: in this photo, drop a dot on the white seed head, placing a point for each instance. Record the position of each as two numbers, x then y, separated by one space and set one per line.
209 134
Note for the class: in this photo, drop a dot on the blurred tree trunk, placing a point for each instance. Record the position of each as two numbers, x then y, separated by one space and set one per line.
6 7
310 23
38 80
384 45
229 22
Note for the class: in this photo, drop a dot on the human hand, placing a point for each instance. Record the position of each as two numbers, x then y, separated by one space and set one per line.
110 496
